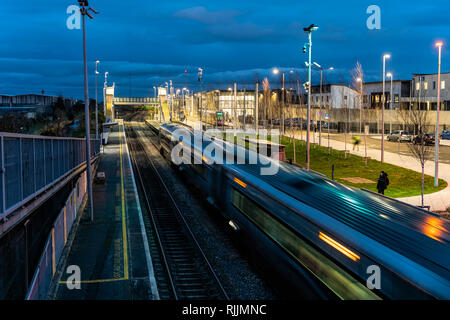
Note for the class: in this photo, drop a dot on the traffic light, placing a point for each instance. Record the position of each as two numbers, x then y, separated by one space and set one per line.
306 86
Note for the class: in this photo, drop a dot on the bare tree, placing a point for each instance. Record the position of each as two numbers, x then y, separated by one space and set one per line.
266 99
419 121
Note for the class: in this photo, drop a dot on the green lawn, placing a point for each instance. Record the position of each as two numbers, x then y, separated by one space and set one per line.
403 182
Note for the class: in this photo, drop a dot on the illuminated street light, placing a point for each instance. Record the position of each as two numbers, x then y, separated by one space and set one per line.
283 97
85 12
318 66
389 75
439 44
309 31
96 101
386 56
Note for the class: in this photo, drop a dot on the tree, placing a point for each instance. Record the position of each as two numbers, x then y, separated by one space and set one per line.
419 121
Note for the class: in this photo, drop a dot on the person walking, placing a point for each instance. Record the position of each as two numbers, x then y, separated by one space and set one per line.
356 141
383 182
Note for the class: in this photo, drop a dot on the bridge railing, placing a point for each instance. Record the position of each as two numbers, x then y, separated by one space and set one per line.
135 100
31 164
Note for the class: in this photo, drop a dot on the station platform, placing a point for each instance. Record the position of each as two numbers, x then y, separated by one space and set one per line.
111 251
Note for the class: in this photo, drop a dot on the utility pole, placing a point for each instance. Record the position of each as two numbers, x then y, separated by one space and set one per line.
84 12
386 56
200 78
256 107
309 30
436 156
96 101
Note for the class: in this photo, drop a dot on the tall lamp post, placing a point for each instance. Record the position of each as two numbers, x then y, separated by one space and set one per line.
360 104
276 71
318 66
200 78
389 74
96 101
436 156
386 56
309 31
85 12
105 85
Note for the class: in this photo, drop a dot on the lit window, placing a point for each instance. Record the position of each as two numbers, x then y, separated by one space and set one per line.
442 84
417 86
425 85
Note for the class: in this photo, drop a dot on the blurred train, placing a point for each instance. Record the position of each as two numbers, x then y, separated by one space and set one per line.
325 239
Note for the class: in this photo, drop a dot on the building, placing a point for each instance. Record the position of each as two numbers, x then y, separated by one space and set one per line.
334 96
373 93
425 88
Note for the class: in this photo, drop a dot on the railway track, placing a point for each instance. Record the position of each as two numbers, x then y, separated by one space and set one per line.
181 267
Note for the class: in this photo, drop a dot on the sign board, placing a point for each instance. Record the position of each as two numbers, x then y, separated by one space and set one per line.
219 118
326 116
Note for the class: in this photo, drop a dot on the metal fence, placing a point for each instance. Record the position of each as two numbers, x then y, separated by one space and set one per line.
56 241
32 164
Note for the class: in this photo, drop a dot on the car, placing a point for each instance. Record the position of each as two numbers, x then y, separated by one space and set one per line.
400 136
445 135
426 139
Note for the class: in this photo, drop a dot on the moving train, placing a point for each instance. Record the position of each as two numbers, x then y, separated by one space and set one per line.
325 239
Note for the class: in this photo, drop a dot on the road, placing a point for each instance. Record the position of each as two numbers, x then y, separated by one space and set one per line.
374 143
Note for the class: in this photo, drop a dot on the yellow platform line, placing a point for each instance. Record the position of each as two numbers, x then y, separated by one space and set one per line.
93 281
124 223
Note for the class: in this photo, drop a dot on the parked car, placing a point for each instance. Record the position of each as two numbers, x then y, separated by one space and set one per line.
445 135
427 139
400 136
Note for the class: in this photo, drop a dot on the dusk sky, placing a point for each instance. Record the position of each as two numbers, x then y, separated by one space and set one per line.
146 42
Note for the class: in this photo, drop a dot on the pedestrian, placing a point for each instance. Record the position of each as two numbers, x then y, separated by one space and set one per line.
383 182
356 141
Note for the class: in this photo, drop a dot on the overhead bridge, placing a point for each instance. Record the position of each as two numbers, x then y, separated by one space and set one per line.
137 101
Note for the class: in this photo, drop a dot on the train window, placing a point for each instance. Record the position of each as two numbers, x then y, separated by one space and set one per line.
330 274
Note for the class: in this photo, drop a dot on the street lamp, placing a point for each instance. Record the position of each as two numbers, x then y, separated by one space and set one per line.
105 84
386 56
276 71
318 66
96 102
436 156
85 12
200 78
309 31
389 74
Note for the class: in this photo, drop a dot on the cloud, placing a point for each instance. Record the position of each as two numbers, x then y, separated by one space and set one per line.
201 14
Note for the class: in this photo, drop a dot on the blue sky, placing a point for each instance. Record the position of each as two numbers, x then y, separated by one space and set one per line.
147 42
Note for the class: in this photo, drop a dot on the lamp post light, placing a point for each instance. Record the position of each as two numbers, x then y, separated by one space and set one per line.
386 56
436 156
283 97
318 66
200 78
360 104
309 31
105 84
84 10
96 101
389 75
